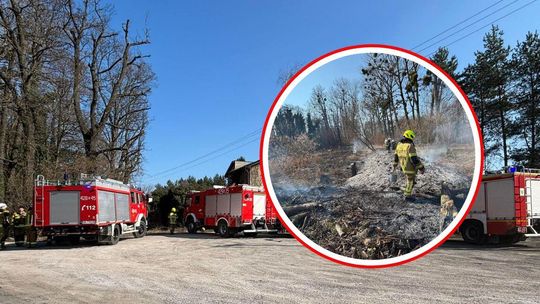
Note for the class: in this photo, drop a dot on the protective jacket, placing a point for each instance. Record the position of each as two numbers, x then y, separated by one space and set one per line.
18 219
5 221
5 218
173 217
406 157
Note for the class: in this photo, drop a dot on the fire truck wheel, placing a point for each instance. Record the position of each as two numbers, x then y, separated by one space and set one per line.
223 229
473 232
116 235
191 226
141 232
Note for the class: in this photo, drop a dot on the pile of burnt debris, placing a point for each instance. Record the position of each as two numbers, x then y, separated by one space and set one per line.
368 217
362 224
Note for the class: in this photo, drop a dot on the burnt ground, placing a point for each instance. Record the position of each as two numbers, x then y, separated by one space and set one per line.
366 216
363 224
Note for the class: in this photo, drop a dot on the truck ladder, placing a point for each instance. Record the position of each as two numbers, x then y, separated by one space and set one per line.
39 192
531 232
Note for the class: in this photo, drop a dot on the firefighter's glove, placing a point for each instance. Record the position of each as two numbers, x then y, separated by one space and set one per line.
422 170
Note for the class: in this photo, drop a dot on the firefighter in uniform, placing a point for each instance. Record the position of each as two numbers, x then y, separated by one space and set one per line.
405 156
5 223
447 213
173 218
31 232
19 227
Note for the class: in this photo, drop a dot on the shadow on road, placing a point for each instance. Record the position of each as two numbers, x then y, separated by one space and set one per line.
521 246
43 245
210 235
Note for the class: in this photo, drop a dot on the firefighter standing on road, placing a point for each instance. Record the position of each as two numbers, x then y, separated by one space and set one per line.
5 223
173 220
406 158
19 227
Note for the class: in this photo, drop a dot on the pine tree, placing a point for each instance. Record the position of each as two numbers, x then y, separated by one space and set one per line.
526 76
486 82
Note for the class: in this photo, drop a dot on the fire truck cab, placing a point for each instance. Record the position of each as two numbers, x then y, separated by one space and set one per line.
92 207
507 208
229 210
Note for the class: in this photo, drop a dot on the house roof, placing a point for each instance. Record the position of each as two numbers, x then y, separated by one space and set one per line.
238 164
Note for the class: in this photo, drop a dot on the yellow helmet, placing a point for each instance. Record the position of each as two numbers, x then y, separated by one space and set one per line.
173 210
409 134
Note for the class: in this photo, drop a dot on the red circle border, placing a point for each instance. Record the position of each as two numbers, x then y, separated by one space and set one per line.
429 61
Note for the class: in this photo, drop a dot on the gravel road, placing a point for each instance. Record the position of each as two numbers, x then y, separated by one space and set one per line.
204 268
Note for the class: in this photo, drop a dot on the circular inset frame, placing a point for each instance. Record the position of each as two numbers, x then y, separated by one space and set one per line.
456 90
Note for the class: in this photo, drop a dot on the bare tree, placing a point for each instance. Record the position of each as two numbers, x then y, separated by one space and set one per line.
67 81
101 58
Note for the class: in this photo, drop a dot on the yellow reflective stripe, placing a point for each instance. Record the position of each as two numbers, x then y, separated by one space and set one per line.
412 154
410 172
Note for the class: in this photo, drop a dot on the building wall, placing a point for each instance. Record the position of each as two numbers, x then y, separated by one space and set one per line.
255 176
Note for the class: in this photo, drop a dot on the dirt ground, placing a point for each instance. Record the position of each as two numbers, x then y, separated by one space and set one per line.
204 268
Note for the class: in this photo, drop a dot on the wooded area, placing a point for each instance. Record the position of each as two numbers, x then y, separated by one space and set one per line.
503 85
74 94
394 94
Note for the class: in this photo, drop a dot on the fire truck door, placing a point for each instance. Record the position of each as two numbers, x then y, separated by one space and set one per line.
198 206
533 198
259 206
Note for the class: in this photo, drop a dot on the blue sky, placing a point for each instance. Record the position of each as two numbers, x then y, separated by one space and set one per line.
217 62
346 67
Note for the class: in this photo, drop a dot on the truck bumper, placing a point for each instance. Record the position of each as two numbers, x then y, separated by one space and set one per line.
71 230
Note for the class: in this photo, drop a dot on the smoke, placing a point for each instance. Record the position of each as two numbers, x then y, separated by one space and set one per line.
357 146
433 154
453 132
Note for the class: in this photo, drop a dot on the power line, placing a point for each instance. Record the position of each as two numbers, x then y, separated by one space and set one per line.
468 26
251 134
212 158
458 24
232 143
486 25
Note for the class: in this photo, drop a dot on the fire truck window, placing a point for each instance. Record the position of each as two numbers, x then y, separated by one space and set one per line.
140 198
188 201
197 199
133 199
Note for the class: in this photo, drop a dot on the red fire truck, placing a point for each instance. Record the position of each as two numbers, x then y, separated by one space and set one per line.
229 210
507 208
93 208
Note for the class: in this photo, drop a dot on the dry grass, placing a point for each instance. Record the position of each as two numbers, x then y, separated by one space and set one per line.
296 161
